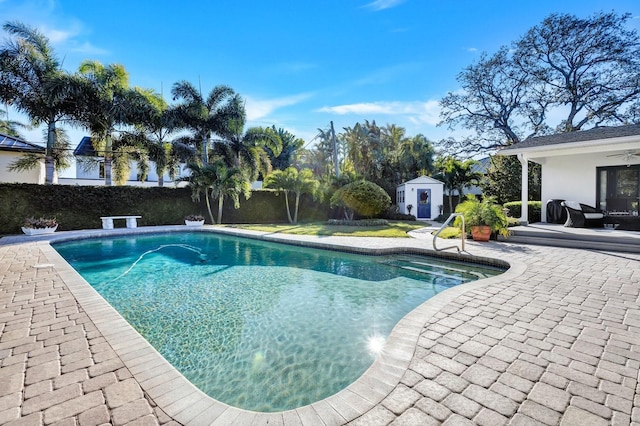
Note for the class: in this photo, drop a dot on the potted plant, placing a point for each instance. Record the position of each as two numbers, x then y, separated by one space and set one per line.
194 220
483 217
33 226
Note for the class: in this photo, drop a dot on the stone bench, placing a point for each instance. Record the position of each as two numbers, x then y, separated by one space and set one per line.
107 221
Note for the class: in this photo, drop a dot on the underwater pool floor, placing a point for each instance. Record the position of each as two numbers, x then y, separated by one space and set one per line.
553 340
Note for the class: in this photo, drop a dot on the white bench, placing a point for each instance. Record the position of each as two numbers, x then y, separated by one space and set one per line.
107 221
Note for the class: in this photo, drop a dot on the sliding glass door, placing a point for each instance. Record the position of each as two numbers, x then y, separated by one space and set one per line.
618 188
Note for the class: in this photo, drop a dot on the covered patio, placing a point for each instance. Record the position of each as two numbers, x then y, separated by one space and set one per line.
599 167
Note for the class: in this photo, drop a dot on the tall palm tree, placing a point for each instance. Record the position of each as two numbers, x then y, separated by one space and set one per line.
290 180
290 145
416 156
204 117
109 103
30 81
456 175
153 132
10 127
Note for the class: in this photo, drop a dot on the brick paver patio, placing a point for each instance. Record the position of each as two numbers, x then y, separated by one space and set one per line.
556 340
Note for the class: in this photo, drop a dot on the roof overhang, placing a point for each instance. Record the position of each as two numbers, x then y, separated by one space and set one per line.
609 145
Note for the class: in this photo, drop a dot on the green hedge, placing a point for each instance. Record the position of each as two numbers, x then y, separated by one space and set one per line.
80 207
515 209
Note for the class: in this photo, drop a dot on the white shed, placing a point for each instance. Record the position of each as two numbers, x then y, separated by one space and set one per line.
424 195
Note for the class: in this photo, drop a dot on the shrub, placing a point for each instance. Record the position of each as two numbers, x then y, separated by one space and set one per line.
362 197
515 210
364 222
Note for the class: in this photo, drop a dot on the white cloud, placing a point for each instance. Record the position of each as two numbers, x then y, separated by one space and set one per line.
417 112
260 108
472 49
383 4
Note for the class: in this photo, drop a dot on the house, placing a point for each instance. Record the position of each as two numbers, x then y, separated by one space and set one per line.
11 149
423 194
599 167
90 169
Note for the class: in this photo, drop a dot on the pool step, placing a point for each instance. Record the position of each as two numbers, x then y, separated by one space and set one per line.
433 269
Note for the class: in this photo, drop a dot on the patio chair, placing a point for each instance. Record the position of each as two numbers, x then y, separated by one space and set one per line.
582 216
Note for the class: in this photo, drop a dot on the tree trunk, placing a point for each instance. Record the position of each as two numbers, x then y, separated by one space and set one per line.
49 165
107 160
206 199
161 180
295 214
286 202
220 203
450 201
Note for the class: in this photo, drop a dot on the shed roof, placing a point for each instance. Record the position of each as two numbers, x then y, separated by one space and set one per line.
422 180
11 143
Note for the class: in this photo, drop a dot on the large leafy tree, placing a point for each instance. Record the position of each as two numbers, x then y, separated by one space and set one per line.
294 181
204 117
587 70
30 80
504 177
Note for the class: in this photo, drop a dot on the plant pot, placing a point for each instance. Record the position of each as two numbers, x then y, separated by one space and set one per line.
194 222
481 233
39 231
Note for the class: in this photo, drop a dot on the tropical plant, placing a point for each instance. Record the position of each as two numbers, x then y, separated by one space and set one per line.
108 103
456 175
10 127
362 197
289 147
247 151
482 213
230 183
216 180
30 81
290 180
204 117
503 180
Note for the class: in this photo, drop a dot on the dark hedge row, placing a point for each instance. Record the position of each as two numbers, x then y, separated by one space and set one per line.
80 207
515 209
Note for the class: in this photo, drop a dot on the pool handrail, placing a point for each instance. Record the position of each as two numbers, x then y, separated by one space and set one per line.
444 225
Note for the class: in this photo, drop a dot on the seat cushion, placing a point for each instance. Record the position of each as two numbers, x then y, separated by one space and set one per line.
592 216
573 205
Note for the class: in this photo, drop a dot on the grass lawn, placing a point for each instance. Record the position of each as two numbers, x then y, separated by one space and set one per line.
395 229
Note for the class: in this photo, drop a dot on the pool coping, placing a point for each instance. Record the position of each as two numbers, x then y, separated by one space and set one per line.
185 403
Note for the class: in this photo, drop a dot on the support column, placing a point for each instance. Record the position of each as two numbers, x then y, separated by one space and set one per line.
524 211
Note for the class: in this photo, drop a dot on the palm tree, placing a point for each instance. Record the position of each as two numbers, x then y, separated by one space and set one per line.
247 151
290 180
456 175
200 181
30 81
153 132
205 117
109 102
416 156
230 182
290 145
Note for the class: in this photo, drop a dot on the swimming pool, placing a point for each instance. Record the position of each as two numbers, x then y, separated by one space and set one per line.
257 325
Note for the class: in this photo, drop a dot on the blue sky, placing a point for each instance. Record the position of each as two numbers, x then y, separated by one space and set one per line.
298 64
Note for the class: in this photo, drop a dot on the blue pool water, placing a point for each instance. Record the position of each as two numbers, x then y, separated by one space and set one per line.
257 325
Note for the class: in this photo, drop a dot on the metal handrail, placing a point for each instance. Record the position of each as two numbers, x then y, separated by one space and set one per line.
444 225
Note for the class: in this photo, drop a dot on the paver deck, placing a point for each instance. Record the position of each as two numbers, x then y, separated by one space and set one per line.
555 340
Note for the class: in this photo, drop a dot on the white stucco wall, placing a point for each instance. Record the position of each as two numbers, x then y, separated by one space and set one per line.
411 191
36 175
572 177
